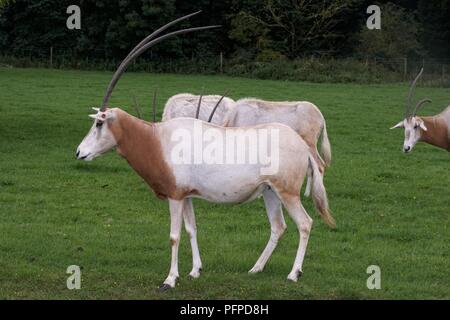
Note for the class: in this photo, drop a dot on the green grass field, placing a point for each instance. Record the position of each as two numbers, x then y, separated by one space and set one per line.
392 209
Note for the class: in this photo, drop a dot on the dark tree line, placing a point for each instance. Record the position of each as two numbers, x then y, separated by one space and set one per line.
261 30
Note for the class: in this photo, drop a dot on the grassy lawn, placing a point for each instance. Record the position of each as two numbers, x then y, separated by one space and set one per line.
392 209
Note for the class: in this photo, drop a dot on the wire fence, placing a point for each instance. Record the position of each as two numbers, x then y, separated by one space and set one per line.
313 68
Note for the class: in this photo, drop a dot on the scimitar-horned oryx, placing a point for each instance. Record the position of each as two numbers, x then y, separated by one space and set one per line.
434 130
149 149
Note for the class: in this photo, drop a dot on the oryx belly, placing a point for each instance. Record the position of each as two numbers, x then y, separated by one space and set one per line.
226 183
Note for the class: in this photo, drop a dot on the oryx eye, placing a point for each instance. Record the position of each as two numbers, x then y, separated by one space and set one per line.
416 126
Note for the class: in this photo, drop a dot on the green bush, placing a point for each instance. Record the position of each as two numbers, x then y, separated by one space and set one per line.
313 69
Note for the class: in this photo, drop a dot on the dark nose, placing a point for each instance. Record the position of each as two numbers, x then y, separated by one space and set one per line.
407 149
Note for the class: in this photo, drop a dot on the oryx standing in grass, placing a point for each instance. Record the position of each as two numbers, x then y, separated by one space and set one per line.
434 130
151 149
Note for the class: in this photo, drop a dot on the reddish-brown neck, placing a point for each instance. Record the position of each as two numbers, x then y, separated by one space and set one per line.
138 142
437 132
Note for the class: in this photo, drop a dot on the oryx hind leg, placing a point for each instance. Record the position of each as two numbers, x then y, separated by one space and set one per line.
191 229
277 228
304 223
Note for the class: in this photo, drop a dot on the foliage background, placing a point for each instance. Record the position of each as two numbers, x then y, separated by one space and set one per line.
259 38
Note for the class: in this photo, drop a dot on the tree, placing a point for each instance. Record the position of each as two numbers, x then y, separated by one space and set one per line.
294 27
29 25
397 38
435 35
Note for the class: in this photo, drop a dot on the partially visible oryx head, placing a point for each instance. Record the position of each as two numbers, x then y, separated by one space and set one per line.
412 124
100 138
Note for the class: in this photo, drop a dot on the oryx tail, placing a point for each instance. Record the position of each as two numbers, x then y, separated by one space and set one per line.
325 146
319 194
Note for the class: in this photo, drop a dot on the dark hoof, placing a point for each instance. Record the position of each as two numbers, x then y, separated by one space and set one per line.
300 273
164 287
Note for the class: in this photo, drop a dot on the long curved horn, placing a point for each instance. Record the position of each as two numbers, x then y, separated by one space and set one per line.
217 105
197 113
155 33
125 63
163 28
411 89
419 104
137 108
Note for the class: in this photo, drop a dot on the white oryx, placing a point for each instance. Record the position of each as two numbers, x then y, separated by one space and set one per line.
149 149
434 130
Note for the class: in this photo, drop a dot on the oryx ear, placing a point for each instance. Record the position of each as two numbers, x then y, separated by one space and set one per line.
102 116
398 125
422 125
95 109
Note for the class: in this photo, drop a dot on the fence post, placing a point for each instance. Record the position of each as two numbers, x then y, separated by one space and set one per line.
221 62
405 69
51 57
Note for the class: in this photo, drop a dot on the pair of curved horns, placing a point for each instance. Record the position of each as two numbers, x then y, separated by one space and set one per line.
410 111
213 110
144 45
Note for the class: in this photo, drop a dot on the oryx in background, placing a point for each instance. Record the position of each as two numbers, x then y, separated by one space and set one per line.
148 148
434 130
302 116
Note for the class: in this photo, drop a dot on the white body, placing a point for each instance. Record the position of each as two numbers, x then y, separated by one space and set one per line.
302 116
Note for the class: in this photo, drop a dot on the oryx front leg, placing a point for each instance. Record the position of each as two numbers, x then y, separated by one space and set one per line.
277 228
176 221
191 229
304 224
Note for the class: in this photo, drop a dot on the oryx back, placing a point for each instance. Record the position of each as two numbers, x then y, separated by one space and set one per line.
186 104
